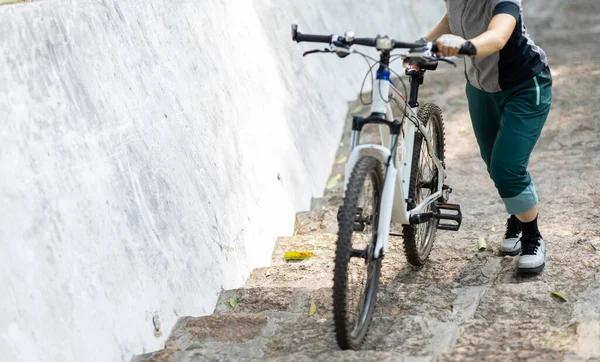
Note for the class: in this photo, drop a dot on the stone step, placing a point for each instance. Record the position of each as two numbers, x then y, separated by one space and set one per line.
316 222
352 356
447 264
267 300
312 273
322 246
322 217
252 336
430 300
211 337
280 334
523 339
328 202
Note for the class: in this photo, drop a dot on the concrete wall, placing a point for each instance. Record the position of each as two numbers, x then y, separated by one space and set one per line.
151 152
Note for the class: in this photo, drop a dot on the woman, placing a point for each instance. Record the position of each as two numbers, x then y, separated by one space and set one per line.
509 89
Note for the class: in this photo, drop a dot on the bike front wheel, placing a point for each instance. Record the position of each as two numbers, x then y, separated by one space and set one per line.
356 271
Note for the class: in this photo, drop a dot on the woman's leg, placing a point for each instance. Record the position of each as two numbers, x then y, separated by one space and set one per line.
525 111
485 116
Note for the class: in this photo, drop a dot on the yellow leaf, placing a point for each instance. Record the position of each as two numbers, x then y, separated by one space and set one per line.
493 229
481 244
341 160
297 255
333 181
560 296
313 308
357 109
462 130
233 300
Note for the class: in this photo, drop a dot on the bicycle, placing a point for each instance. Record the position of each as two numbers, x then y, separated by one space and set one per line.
386 184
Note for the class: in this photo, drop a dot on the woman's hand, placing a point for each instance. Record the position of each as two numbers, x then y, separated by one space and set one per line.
448 45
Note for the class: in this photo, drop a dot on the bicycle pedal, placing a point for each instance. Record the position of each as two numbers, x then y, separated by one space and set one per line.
452 213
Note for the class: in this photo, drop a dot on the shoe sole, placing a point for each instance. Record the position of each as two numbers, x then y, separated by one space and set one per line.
510 253
535 270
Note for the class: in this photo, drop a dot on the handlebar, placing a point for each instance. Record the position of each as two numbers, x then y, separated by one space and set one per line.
380 42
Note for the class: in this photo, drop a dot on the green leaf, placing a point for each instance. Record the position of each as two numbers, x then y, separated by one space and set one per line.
481 244
560 296
507 348
313 308
233 300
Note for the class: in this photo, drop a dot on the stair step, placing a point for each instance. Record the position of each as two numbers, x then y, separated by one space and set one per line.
323 246
394 300
316 222
312 273
408 335
511 339
281 334
265 300
195 338
328 202
363 356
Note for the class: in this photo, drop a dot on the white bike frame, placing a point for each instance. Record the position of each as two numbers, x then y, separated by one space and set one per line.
393 205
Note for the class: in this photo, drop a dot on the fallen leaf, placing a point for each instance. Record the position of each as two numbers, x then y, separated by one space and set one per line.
313 308
462 130
333 181
357 109
493 229
481 244
233 300
341 160
560 296
297 255
507 348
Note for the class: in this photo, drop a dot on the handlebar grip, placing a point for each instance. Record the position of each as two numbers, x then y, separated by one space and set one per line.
298 37
468 49
313 38
400 44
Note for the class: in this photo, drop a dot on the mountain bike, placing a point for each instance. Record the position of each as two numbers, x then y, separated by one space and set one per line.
399 181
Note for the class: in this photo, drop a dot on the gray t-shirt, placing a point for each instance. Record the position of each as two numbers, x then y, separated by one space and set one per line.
518 61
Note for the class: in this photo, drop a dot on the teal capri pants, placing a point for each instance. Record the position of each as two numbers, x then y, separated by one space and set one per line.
507 125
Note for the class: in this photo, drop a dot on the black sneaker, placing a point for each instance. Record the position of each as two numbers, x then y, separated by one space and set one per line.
533 255
511 245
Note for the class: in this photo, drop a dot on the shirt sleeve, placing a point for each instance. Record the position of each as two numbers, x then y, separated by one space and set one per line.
510 7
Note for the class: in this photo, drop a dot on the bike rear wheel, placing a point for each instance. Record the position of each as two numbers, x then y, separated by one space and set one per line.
356 271
419 238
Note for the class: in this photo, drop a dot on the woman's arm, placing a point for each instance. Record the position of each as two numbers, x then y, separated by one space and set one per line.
442 28
493 40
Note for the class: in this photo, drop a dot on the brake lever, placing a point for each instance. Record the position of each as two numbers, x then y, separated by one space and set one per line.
445 60
316 51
